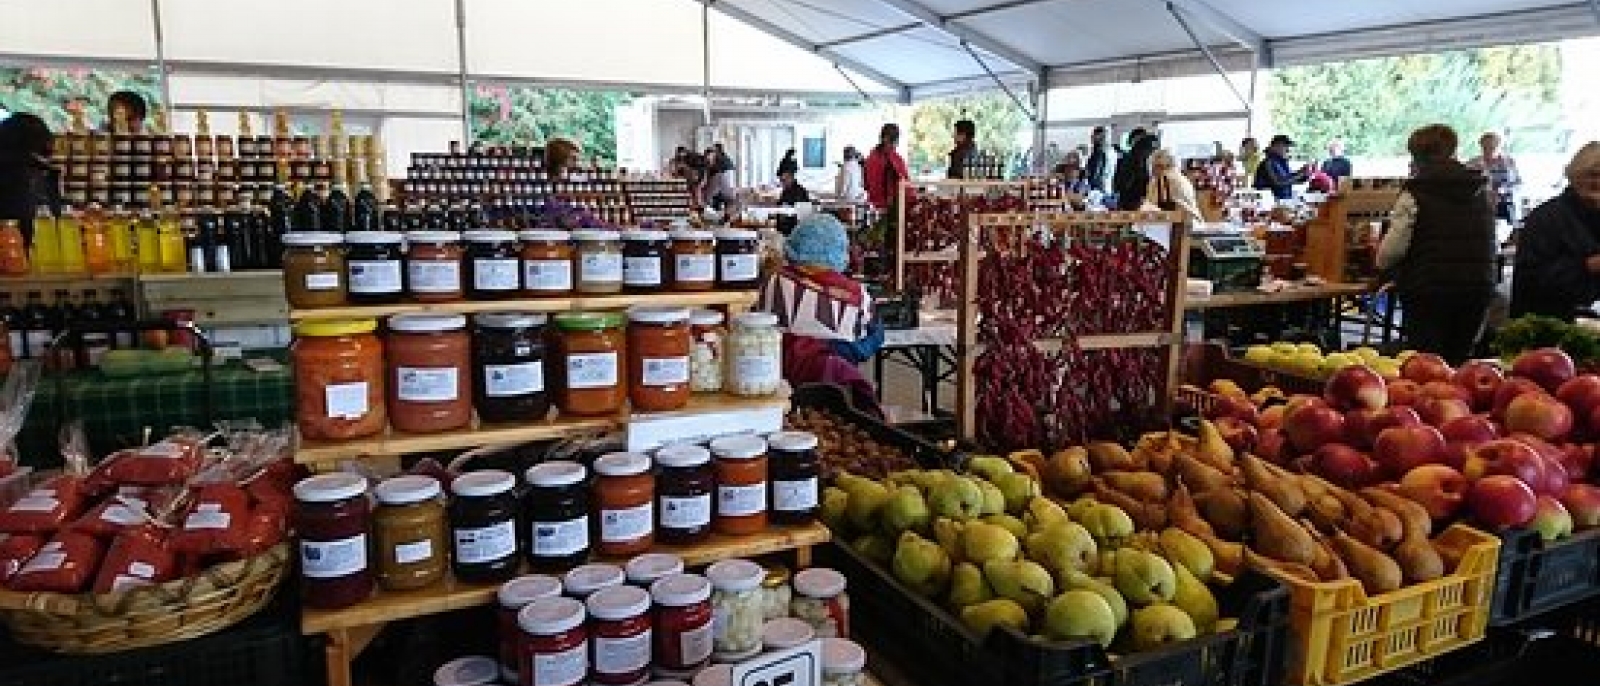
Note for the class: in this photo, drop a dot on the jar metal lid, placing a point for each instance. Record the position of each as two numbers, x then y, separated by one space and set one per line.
522 590
483 483
648 567
615 603
552 615
427 323
786 632
693 235
705 317
622 464
740 447
312 238
715 675
330 488
556 473
658 315
756 320
842 656
588 321
681 455
318 328
482 236
737 235
678 590
819 582
586 579
473 670
777 576
510 320
597 235
405 490
545 235
433 236
374 237
793 441
735 575
644 235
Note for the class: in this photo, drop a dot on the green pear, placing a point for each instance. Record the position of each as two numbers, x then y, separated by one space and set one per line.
905 510
1018 489
902 477
1063 547
959 498
948 533
921 564
874 547
1195 599
866 499
1158 625
994 501
1080 614
1144 578
989 467
1024 581
1182 548
967 586
1109 525
1042 512
1009 523
1107 564
834 510
1078 581
982 542
1079 509
985 616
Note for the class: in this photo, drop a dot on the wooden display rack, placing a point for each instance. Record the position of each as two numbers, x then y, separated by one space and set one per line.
942 188
1342 223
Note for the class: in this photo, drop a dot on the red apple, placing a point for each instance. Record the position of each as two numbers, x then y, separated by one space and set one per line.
1361 427
1555 479
1298 401
1310 426
1480 379
1551 519
1548 367
1272 446
1270 418
1524 464
1436 487
1583 501
1544 448
1457 456
1540 415
1404 392
1471 430
1232 406
1438 411
1445 390
1344 466
1399 449
1508 391
1577 459
1240 434
1581 394
1425 367
1356 386
1501 501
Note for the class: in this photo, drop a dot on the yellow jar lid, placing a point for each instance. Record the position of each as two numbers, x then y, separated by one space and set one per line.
335 327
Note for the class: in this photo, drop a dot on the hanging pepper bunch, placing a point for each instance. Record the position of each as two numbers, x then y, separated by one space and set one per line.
935 224
1118 285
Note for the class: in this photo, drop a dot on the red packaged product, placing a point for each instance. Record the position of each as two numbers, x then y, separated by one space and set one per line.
137 558
64 565
46 508
216 523
15 549
129 506
171 461
265 529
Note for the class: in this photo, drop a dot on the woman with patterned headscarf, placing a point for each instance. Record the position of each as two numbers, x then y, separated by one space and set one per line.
826 316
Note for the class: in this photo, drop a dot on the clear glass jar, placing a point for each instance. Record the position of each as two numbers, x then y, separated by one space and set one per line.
332 517
338 375
430 383
707 338
313 269
410 529
776 592
842 662
599 261
755 355
624 494
820 600
784 633
738 609
645 256
741 469
694 260
590 366
433 266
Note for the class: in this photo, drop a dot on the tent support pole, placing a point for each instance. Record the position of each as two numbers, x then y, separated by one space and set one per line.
161 56
999 82
864 94
1041 100
461 73
1249 104
705 61
1250 112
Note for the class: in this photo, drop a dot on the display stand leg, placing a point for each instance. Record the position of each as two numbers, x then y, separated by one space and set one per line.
802 557
343 647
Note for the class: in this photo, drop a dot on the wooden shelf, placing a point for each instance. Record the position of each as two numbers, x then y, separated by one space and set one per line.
576 303
389 606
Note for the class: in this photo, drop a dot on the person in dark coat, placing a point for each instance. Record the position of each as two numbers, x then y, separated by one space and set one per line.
788 165
961 155
1097 171
27 179
1132 177
1440 249
1274 174
1558 249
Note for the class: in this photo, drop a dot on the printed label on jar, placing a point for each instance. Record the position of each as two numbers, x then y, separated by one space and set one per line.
603 267
374 276
741 267
407 553
694 645
434 277
794 496
496 275
591 370
566 668
507 380
641 271
559 539
737 501
665 371
628 524
622 655
322 281
547 275
486 544
427 384
695 268
686 513
756 369
346 400
333 559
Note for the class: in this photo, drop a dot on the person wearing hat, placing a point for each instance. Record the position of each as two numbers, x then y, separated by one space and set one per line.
1274 174
826 316
1558 249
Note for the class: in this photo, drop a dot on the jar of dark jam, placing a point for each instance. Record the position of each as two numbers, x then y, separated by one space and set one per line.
508 360
483 526
644 260
332 516
373 261
738 259
793 474
685 484
557 510
494 265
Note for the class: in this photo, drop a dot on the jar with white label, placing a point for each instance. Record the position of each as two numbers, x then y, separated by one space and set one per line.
483 526
755 355
738 259
843 662
646 569
433 266
508 360
554 646
619 625
313 269
736 604
338 379
741 469
624 494
494 265
591 346
795 471
599 261
694 260
820 599
707 336
374 267
557 509
547 259
685 491
511 597
410 529
645 256
658 358
584 580
332 516
429 360
683 624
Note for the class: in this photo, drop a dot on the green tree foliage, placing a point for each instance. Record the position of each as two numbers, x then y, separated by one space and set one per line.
1374 104
508 115
53 94
999 123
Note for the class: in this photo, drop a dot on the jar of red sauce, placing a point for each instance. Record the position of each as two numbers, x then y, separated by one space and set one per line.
620 625
591 346
554 646
332 516
683 631
338 379
512 596
430 382
658 358
741 468
625 492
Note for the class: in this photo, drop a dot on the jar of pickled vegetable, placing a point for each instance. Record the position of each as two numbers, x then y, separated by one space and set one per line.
339 379
591 346
429 358
755 355
707 336
736 606
658 358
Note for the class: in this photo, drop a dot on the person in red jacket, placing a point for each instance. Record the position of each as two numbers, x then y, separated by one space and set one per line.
884 168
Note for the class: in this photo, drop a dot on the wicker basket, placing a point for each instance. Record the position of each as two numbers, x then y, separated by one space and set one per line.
151 615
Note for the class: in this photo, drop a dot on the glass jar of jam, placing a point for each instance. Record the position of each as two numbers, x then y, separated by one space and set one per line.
584 580
410 530
694 260
373 262
619 622
736 605
599 261
554 646
707 336
429 357
547 257
508 366
557 509
792 461
332 517
755 355
741 468
338 379
483 526
738 259
646 569
685 488
472 670
313 269
494 265
658 358
683 631
644 261
591 346
820 600
433 266
624 494
512 596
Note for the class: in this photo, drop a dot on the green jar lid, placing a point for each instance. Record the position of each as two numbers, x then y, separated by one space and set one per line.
588 321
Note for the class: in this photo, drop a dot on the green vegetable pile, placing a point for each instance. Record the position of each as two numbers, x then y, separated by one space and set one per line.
1530 332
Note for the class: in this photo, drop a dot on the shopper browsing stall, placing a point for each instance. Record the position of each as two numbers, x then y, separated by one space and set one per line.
885 168
1273 172
27 180
1169 190
1558 250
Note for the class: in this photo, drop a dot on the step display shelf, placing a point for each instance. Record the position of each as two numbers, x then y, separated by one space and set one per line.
348 631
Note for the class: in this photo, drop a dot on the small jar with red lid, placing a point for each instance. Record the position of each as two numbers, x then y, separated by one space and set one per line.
332 516
554 646
619 623
686 488
683 630
741 469
624 492
512 596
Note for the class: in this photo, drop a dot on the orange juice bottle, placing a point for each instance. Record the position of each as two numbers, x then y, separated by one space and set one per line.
13 251
97 257
120 228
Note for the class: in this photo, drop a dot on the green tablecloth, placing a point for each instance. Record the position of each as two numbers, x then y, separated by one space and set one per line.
116 411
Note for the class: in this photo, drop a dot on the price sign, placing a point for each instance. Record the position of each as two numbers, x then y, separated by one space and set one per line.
651 431
797 666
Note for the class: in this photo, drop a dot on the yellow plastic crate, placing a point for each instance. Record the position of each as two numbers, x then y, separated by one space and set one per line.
1339 635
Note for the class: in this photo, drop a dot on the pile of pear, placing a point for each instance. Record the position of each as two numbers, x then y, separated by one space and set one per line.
1251 513
994 550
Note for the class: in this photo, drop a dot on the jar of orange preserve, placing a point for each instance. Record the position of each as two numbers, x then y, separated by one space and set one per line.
430 384
338 379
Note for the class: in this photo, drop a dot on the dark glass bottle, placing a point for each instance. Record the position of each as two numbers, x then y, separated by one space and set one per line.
63 314
199 238
243 247
280 208
308 211
336 210
365 214
97 335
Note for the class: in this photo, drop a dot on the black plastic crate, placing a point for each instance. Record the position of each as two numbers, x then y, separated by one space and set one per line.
1535 577
836 400
936 649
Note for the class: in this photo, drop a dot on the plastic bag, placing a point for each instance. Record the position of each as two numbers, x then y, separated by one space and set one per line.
64 565
15 549
129 506
173 460
16 395
138 557
216 523
46 508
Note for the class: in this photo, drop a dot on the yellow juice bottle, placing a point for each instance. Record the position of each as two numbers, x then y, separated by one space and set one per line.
69 234
46 244
121 229
147 245
169 238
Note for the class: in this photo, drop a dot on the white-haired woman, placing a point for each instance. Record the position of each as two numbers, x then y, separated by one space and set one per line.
1169 189
1558 249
